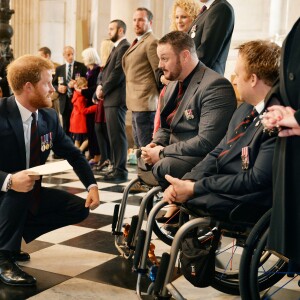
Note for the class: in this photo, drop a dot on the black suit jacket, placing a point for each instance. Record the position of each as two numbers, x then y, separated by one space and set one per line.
285 219
218 178
212 34
112 77
79 68
12 150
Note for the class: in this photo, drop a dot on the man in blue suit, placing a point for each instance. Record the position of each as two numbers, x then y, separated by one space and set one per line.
28 210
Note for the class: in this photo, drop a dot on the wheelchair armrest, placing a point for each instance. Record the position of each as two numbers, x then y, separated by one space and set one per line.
247 213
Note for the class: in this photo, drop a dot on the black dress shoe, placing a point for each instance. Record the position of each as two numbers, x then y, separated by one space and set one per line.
169 220
20 256
12 274
115 176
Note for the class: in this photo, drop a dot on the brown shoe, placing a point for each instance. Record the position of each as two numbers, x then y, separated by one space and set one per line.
139 188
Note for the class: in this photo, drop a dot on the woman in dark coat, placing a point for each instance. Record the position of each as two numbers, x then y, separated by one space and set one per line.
284 235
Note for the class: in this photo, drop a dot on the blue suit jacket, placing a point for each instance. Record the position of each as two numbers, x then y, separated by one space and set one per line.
12 150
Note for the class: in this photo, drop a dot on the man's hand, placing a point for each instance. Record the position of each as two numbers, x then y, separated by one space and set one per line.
24 181
179 190
71 83
99 92
93 199
150 153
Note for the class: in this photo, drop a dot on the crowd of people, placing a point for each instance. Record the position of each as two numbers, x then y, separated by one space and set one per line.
199 147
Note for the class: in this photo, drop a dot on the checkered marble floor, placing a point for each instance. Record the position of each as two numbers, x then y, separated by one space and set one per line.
81 261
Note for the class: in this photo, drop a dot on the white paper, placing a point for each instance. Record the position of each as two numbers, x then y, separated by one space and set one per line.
51 168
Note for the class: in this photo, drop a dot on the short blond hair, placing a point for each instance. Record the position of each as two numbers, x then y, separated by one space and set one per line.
81 82
26 68
191 7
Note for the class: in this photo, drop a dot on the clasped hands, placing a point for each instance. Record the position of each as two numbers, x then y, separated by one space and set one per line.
150 153
179 191
282 119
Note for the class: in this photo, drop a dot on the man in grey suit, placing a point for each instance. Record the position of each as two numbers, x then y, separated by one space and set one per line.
190 127
239 169
112 90
212 31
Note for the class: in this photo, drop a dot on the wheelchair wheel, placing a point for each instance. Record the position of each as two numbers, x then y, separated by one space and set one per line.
160 230
264 280
265 275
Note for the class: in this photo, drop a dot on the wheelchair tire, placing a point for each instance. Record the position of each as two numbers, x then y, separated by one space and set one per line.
266 280
158 228
264 277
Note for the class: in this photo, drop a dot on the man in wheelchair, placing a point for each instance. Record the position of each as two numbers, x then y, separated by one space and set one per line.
239 169
195 110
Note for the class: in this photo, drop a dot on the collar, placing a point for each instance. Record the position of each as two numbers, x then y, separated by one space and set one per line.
25 113
209 3
119 41
260 106
187 79
141 36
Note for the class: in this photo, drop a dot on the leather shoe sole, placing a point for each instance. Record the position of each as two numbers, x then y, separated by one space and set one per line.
20 256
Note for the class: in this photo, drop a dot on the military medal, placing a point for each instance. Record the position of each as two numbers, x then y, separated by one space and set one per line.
42 144
193 31
50 140
47 141
245 158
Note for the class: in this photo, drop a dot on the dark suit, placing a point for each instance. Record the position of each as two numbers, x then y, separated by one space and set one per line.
221 183
65 102
57 208
285 220
114 92
198 125
212 34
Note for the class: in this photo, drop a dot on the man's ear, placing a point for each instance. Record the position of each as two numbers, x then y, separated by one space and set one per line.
186 54
28 87
253 79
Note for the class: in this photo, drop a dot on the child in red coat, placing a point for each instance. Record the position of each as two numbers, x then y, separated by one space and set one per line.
78 126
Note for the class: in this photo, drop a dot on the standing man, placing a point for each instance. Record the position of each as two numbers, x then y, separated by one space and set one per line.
212 31
140 64
46 53
112 91
30 130
63 83
239 169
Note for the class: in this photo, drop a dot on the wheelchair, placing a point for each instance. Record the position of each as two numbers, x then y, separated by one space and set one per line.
234 231
260 268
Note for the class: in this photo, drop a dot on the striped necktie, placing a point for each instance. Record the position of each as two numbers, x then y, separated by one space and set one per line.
239 131
69 77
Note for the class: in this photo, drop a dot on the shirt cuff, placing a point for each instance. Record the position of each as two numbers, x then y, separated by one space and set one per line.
92 185
4 186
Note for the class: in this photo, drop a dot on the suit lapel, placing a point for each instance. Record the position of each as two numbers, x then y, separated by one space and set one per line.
188 95
243 141
130 49
15 120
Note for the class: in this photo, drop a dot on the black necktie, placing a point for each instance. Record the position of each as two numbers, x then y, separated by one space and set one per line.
69 77
35 147
240 130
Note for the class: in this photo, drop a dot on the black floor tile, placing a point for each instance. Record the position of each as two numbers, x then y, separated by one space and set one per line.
96 221
96 241
57 181
35 246
115 188
118 272
45 280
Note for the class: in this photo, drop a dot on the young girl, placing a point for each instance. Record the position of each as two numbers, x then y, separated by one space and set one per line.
78 126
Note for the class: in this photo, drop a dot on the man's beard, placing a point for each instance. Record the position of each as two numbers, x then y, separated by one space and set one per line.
115 37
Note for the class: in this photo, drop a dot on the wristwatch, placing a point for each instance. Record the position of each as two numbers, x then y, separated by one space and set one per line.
161 153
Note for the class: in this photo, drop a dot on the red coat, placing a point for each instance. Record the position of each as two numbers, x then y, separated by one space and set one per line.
78 118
